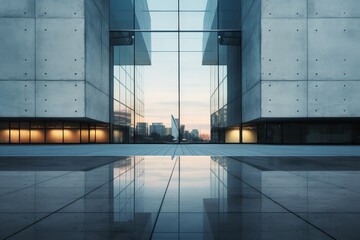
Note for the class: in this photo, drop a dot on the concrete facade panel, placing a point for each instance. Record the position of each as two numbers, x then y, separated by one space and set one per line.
251 63
251 42
251 104
334 49
60 49
284 9
60 9
17 49
334 8
106 11
97 104
17 8
105 57
104 8
105 70
334 99
246 5
98 4
251 23
251 54
284 49
93 45
17 98
60 99
284 99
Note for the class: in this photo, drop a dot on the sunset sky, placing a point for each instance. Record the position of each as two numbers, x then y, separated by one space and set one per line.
161 78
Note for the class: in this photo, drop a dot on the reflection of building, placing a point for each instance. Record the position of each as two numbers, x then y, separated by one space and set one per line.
130 52
118 184
291 76
158 128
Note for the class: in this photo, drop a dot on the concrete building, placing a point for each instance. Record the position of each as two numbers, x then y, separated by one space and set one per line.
299 74
55 84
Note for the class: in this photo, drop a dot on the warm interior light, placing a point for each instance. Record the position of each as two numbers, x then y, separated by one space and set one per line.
71 136
37 136
232 136
54 136
4 135
118 135
102 135
84 135
14 136
92 135
24 135
249 136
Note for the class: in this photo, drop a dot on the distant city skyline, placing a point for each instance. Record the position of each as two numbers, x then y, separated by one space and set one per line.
161 77
161 82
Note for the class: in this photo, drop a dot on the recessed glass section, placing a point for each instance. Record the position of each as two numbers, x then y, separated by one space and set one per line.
171 71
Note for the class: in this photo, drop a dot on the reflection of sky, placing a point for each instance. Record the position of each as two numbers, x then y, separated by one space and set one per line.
161 78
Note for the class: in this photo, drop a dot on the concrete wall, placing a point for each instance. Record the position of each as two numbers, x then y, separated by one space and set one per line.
309 59
251 43
97 59
50 51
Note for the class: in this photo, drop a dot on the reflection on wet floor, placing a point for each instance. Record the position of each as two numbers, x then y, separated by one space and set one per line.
188 197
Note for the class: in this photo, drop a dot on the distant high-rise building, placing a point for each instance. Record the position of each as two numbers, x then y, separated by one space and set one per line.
158 128
195 133
175 128
182 131
168 131
187 136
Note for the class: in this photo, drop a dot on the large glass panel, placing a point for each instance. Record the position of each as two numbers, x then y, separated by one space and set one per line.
161 14
122 14
229 14
170 58
195 77
211 15
192 14
24 132
4 132
123 87
160 82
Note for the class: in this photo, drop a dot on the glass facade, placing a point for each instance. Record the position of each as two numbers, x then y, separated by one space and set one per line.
128 95
226 87
302 133
180 50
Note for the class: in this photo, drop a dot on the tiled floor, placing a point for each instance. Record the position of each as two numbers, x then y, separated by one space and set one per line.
178 150
179 197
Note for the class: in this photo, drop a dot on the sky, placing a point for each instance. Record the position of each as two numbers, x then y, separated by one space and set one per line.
161 78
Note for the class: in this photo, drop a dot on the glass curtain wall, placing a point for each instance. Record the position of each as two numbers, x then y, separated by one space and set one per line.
170 69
